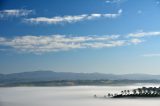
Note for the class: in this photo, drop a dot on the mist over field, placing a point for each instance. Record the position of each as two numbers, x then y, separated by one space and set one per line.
70 96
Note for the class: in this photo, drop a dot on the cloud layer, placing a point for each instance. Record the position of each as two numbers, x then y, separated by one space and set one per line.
53 43
71 18
14 13
144 34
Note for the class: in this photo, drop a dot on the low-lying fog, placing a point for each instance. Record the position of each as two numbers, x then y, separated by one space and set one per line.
70 96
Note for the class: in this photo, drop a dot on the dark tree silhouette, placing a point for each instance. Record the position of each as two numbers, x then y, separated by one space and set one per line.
128 91
122 92
144 90
134 91
109 94
139 92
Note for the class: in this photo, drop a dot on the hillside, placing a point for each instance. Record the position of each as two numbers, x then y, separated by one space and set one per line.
67 78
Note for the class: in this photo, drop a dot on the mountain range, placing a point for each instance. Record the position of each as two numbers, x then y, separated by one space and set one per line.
52 76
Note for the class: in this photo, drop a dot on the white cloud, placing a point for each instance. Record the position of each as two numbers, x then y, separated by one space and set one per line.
105 45
113 1
144 34
136 41
56 19
2 39
152 55
42 44
14 13
71 18
54 43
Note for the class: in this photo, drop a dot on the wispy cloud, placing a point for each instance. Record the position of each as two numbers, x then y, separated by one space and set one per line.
71 18
136 41
15 13
144 34
113 1
53 43
152 55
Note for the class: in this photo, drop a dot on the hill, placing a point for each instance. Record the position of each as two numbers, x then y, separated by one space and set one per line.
74 78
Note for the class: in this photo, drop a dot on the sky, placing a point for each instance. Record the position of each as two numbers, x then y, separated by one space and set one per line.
82 36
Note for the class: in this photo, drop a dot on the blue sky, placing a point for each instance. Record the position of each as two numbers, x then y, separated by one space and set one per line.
105 36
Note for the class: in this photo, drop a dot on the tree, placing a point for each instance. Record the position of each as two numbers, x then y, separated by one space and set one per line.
149 90
158 90
155 90
125 92
109 94
144 90
128 91
139 90
134 91
122 92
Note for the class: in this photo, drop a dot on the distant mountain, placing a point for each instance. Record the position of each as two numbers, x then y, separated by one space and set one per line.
52 76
